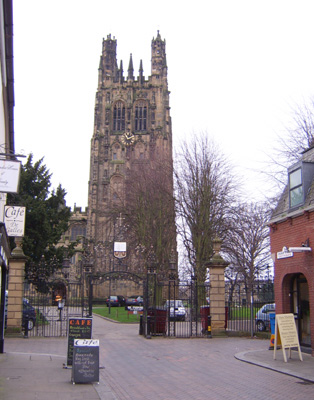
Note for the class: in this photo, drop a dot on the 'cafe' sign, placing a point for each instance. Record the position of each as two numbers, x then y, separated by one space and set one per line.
14 219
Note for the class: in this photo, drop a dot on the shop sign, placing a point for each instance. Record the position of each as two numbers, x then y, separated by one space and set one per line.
285 253
9 176
14 219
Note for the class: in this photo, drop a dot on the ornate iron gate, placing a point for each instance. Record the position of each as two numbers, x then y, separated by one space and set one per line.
175 309
46 310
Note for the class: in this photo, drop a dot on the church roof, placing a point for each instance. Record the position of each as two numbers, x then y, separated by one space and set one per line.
283 209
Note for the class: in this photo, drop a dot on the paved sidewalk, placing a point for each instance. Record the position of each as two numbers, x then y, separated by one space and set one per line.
293 367
33 368
38 372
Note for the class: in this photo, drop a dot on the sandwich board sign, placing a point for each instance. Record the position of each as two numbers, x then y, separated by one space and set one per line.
79 328
285 329
85 366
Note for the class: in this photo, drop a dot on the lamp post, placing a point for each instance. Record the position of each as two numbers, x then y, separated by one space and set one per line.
66 268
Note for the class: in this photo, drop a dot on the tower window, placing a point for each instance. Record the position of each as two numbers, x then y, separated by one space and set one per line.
119 116
77 230
140 117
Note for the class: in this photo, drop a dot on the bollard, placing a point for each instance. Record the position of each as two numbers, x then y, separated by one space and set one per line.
26 328
209 328
148 328
141 325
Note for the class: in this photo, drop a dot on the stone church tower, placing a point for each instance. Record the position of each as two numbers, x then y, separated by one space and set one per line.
132 126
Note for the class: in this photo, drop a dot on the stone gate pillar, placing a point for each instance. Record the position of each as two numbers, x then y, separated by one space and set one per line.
217 267
15 290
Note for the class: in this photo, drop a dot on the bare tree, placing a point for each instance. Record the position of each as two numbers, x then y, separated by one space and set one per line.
246 244
296 139
205 190
147 207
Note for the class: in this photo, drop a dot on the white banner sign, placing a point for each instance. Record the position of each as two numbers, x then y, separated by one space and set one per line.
119 250
9 176
14 219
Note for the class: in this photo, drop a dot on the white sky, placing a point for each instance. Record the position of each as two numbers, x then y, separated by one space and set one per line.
235 69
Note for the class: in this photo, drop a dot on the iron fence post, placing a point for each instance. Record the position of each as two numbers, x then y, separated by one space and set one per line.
90 297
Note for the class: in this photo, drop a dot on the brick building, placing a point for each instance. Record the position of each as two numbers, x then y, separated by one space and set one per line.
292 239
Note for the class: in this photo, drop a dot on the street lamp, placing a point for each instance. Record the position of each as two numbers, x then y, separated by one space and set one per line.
66 268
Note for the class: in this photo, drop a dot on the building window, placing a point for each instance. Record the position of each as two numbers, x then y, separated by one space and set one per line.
140 117
296 187
115 156
119 116
77 230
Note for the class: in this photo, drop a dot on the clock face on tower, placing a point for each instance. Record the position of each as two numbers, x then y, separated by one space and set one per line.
128 138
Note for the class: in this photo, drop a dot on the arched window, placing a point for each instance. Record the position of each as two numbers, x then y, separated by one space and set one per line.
116 188
140 117
119 116
77 230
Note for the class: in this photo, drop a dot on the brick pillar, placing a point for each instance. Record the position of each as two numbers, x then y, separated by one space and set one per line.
217 267
15 290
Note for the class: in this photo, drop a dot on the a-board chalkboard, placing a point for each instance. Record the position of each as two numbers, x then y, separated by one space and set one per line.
85 366
79 328
285 328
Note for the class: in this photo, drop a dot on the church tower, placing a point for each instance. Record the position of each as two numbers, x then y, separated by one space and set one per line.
132 127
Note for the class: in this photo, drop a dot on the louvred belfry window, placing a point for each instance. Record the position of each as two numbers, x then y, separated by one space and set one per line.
119 116
140 117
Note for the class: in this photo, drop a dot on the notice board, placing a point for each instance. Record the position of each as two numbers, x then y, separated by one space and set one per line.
79 328
285 328
85 366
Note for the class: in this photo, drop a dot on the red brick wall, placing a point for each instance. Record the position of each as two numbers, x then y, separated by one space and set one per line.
292 233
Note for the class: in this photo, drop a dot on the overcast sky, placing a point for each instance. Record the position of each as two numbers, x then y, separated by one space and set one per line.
236 68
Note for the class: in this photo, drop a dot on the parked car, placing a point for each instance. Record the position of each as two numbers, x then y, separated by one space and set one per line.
134 301
28 313
176 309
115 301
262 318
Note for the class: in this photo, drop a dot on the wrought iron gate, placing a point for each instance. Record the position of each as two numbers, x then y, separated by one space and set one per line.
175 309
46 312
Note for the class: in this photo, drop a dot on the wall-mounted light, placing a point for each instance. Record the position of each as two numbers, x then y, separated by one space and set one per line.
305 246
306 243
299 249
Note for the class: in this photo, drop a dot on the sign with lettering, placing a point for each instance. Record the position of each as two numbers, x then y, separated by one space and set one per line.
9 176
14 219
284 254
79 328
85 366
285 328
119 249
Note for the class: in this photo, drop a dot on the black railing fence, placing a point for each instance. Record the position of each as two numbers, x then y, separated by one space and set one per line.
245 305
46 313
183 309
171 308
